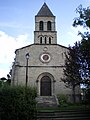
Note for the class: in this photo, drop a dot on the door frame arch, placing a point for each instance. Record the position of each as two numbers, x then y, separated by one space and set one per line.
39 81
45 86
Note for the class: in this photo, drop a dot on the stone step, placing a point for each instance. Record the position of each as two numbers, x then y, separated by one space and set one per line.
47 101
71 118
74 118
64 115
69 112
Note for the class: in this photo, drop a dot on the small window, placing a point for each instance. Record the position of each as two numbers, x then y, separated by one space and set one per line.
48 25
49 40
45 40
41 25
40 40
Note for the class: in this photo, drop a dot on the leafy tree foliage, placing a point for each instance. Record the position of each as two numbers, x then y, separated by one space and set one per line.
78 58
85 49
5 81
72 68
84 17
3 78
84 20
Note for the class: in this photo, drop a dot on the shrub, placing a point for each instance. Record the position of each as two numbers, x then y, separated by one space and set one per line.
62 99
17 103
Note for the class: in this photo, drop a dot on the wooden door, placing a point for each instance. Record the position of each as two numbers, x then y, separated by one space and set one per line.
45 85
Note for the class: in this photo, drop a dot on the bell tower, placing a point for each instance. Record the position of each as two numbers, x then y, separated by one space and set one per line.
45 28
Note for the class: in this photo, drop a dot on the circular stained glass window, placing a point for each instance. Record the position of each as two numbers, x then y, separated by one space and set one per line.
45 57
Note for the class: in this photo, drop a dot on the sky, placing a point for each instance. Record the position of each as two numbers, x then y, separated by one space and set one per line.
17 23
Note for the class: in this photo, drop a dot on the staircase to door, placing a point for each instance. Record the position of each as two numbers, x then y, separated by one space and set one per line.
64 115
47 101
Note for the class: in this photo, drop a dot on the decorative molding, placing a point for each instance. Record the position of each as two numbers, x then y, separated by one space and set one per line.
42 66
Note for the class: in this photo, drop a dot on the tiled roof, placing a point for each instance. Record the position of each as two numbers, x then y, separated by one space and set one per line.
45 11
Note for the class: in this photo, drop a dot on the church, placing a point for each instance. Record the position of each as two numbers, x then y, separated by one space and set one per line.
41 64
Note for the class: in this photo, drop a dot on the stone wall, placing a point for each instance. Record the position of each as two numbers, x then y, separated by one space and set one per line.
36 66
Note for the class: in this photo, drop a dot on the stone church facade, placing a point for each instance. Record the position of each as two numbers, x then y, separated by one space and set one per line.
43 68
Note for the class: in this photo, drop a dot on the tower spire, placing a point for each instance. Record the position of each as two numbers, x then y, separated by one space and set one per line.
45 11
45 32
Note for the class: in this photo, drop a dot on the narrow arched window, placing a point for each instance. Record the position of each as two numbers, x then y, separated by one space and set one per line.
45 40
40 40
49 40
48 25
41 25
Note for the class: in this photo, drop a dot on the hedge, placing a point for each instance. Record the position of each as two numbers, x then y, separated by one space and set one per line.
17 103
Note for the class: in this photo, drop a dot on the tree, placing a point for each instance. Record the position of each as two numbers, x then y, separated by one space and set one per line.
2 81
8 79
5 81
3 78
84 20
72 68
84 17
77 64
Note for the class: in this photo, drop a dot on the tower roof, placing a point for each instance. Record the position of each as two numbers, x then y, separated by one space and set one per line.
45 11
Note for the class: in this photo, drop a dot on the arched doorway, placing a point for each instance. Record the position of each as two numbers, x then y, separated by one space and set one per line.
45 86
